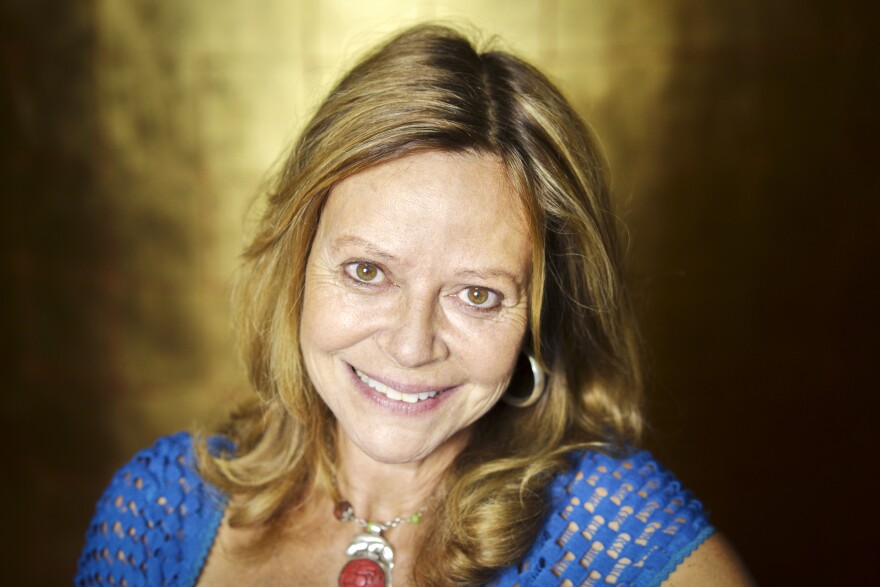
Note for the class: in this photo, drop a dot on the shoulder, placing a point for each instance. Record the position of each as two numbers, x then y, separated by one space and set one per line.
714 562
155 521
619 519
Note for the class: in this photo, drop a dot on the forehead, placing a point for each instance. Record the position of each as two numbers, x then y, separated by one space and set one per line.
435 174
461 203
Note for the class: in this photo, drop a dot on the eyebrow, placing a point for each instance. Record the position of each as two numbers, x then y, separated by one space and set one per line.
356 241
492 273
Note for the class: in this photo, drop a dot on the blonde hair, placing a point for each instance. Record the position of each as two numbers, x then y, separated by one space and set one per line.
429 88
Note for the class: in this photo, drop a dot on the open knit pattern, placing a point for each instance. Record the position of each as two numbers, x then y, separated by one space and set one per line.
613 522
155 523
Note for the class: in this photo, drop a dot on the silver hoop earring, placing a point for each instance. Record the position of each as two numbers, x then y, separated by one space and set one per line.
538 379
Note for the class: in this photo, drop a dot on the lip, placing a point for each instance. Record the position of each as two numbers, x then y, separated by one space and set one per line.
402 387
398 406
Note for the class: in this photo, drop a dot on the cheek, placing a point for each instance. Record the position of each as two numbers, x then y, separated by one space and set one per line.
313 324
491 354
330 320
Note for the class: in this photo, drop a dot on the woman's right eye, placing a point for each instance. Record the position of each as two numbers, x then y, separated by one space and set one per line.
365 272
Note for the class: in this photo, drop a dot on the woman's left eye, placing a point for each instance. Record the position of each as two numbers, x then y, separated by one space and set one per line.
365 272
479 297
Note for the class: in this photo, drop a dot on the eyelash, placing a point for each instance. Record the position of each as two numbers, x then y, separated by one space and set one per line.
488 307
350 270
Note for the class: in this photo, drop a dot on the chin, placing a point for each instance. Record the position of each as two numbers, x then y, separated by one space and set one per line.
392 445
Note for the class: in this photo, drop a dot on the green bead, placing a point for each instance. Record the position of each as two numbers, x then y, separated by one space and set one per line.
414 519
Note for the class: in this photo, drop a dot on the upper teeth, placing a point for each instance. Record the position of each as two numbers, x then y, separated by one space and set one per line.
392 393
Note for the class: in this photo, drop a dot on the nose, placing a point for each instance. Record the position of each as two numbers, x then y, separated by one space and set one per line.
413 333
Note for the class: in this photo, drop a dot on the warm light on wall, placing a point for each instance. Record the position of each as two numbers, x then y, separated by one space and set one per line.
198 99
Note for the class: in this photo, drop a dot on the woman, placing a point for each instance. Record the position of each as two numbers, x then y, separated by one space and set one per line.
433 317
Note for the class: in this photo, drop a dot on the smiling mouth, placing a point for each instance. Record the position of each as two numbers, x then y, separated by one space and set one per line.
392 393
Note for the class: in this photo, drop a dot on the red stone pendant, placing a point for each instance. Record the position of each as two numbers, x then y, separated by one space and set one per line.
362 572
371 560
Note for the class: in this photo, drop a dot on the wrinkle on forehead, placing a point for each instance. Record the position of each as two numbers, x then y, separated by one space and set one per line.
430 205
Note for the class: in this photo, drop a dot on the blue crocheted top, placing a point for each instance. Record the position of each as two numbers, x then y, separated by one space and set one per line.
613 521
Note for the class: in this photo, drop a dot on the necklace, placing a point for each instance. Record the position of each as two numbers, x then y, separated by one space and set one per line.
370 557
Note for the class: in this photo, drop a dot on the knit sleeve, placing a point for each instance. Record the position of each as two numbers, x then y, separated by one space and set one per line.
614 522
155 523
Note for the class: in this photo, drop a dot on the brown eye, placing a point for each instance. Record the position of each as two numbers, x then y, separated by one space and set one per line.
478 295
365 272
480 298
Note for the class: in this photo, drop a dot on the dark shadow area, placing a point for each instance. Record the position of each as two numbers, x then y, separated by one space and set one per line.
57 264
760 241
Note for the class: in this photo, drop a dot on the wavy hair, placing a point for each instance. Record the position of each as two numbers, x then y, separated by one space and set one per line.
431 88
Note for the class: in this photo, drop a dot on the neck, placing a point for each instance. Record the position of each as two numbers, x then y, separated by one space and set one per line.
382 491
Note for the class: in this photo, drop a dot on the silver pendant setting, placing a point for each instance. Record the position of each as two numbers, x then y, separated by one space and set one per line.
371 560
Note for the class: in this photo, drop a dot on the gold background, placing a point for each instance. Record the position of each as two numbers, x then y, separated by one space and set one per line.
743 137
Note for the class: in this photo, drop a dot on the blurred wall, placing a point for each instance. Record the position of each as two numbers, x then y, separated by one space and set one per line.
743 138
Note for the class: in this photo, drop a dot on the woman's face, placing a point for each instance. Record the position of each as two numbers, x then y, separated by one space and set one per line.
416 301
